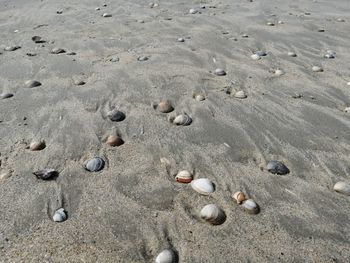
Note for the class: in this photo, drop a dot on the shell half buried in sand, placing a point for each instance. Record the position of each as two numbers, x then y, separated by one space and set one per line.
239 197
114 140
240 94
95 164
251 206
342 188
184 176
46 174
37 145
213 214
166 256
165 106
182 119
203 186
60 215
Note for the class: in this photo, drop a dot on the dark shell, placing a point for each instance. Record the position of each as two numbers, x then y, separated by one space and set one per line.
95 164
32 83
12 48
38 39
6 95
46 174
116 115
276 167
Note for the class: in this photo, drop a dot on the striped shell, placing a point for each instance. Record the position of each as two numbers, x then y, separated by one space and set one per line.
184 177
183 120
203 186
95 164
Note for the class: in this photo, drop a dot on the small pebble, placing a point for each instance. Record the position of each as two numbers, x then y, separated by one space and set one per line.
276 167
46 174
114 140
142 58
279 72
340 20
95 164
261 53
330 54
342 188
220 72
71 53
270 24
5 174
97 8
31 54
59 12
38 39
245 36
79 82
255 57
317 69
37 145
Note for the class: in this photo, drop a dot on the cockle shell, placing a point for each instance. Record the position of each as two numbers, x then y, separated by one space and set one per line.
240 94
6 95
116 115
37 145
317 69
276 167
60 215
165 106
203 186
255 57
291 54
220 72
251 206
46 174
166 256
57 50
32 83
342 187
193 11
95 164
114 140
239 197
183 120
5 174
184 176
213 214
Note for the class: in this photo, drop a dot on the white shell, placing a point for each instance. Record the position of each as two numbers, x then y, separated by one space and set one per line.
183 120
347 109
203 186
5 175
270 24
184 176
106 15
251 206
213 214
342 187
279 72
180 39
220 72
317 69
59 215
255 57
348 83
166 256
240 94
292 54
193 11
199 97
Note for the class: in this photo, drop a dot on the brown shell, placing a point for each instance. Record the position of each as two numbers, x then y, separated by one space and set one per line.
165 106
239 197
37 145
114 140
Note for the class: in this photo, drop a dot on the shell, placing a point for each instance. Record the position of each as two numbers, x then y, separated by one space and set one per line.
165 106
261 53
239 197
184 177
347 109
199 97
255 57
116 115
46 174
37 145
38 39
220 72
71 53
276 167
340 20
330 54
183 120
60 215
114 140
251 206
342 187
142 58
213 214
180 39
115 59
57 50
270 24
240 94
317 69
12 48
193 11
291 54
95 164
6 174
279 72
6 95
166 256
107 15
32 83
79 82
203 186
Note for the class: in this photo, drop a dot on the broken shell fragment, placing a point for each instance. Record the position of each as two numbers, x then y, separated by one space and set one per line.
220 72
166 256
203 186
37 145
239 197
342 188
240 94
276 167
251 206
114 140
184 177
95 164
183 120
46 174
116 115
213 214
60 215
165 106
32 83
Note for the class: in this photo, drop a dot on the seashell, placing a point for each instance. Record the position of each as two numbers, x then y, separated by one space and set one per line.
165 106
79 82
261 53
279 72
183 120
107 15
60 215
330 54
57 50
114 59
95 164
46 174
342 187
276 167
239 197
114 140
38 39
12 48
193 11
71 53
37 145
116 115
213 214
220 72
340 20
270 24
251 206
184 177
203 186
255 57
166 256
5 175
60 12
348 83
199 97
97 8
347 109
180 39
142 58
280 22
240 94
291 54
32 83
6 95
31 54
317 69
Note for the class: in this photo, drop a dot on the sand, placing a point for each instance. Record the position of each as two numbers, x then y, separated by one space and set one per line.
133 209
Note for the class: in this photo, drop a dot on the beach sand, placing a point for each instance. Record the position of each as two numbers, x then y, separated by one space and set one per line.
134 208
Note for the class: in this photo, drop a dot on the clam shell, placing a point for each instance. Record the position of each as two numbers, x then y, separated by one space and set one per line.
116 115
142 58
12 48
342 187
213 214
60 215
6 95
291 54
255 57
165 106
37 145
183 120
6 174
107 15
79 82
279 72
276 167
240 94
347 109
270 24
57 50
166 256
239 197
203 186
114 140
32 83
38 39
180 39
261 53
251 206
184 177
317 69
95 164
199 97
193 11
220 72
46 174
